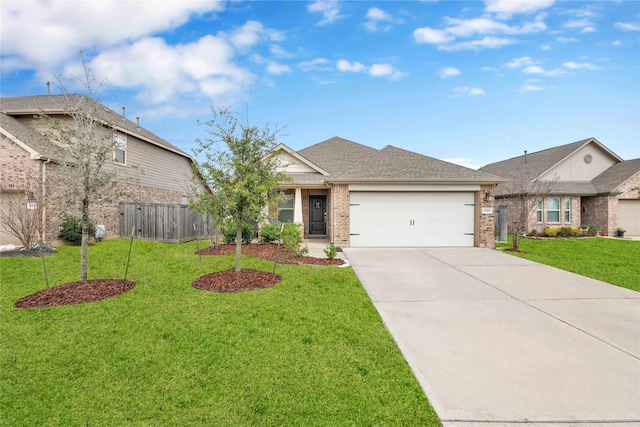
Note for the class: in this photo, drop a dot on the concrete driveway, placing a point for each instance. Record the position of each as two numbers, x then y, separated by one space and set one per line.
496 339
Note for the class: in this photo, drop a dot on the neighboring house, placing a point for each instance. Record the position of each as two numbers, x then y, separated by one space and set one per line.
158 171
588 185
358 196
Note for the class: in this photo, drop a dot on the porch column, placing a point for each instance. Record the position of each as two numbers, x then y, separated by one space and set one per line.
297 207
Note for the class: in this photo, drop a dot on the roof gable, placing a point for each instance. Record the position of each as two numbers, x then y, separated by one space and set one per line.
545 163
59 104
291 162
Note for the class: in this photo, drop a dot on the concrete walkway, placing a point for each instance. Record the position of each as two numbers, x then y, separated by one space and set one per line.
495 340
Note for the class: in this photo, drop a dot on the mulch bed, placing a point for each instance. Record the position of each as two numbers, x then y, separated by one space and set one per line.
230 281
75 293
268 251
248 279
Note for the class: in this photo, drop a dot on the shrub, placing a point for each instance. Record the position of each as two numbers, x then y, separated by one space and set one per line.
292 240
591 231
565 232
551 232
71 230
229 229
576 232
270 233
331 251
533 232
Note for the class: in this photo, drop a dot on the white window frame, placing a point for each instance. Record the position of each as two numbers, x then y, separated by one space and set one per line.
539 213
549 211
567 210
119 144
284 207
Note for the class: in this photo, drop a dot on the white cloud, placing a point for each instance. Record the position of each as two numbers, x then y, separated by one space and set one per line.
507 8
316 64
533 69
432 36
276 68
625 26
161 73
447 72
455 29
584 66
375 70
529 87
566 39
467 90
485 43
350 67
46 34
379 20
330 11
617 43
519 62
251 33
381 70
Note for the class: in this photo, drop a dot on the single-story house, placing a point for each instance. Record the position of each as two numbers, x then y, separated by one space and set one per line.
587 184
159 172
359 196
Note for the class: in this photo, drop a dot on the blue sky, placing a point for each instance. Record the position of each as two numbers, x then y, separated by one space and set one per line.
466 81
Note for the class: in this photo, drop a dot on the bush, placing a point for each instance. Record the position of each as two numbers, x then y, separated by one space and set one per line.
331 251
71 230
565 232
591 231
533 232
291 239
229 229
576 232
270 233
551 232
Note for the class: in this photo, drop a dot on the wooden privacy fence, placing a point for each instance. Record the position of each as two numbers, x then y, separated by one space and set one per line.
164 223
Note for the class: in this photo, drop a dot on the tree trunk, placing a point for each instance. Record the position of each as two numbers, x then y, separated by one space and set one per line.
238 247
85 241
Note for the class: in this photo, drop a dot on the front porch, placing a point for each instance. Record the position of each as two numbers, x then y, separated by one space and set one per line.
310 207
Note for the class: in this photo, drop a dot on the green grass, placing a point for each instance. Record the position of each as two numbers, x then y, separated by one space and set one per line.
310 351
614 261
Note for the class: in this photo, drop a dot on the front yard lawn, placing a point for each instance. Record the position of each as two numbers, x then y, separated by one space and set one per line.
614 261
310 351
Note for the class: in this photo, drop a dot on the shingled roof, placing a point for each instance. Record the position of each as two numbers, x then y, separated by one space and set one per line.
533 164
609 180
59 104
336 154
23 134
395 164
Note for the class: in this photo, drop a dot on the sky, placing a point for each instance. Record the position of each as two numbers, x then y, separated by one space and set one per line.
471 82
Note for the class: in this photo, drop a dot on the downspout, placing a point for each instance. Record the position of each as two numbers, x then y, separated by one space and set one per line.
42 199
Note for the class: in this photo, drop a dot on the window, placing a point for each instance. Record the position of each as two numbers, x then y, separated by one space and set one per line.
285 211
553 210
539 210
567 210
119 148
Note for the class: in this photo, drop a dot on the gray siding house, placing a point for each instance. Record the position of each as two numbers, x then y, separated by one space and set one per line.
158 171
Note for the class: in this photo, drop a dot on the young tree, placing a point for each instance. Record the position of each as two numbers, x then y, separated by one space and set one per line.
83 139
21 216
522 195
236 167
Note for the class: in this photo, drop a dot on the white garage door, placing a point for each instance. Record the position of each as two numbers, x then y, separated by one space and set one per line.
411 219
629 216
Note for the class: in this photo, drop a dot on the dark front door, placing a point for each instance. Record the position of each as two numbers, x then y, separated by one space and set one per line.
317 215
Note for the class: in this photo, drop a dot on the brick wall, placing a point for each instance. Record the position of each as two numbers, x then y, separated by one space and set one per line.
486 222
341 212
627 188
